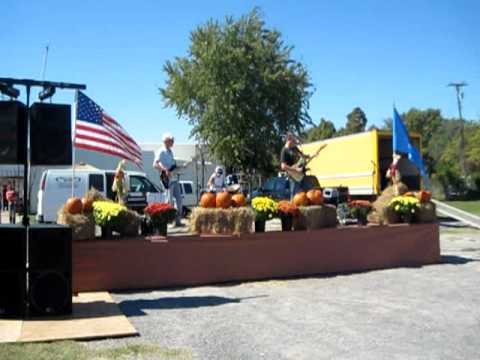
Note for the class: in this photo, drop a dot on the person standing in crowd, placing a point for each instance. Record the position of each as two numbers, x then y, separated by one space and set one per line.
4 197
11 197
216 182
165 163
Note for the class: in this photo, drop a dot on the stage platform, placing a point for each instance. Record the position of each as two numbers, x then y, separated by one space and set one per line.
142 263
95 316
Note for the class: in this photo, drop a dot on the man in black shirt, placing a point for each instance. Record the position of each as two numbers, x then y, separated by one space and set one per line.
289 157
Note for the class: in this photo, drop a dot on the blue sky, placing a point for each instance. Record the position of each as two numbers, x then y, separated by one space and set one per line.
367 53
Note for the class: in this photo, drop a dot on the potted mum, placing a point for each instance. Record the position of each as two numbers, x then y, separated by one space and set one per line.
359 209
287 211
405 206
265 209
159 215
108 215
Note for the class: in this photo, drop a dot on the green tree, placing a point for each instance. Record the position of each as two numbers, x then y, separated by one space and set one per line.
240 90
324 130
356 122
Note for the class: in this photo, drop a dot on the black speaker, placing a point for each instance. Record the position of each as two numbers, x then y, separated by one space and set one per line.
13 253
13 119
50 270
50 134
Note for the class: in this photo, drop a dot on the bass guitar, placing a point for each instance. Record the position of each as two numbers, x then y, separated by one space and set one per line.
300 167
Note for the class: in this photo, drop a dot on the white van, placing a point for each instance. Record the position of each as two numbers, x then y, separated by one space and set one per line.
56 188
188 196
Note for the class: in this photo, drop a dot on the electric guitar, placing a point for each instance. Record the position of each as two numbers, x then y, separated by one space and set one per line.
165 179
300 166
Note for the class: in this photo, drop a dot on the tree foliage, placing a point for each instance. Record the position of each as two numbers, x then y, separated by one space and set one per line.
324 130
356 122
240 90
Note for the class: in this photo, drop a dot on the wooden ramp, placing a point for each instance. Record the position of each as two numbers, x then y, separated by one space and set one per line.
95 315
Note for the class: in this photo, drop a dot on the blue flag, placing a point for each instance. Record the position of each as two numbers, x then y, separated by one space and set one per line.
401 144
401 141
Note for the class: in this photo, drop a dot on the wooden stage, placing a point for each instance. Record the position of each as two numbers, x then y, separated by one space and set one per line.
141 263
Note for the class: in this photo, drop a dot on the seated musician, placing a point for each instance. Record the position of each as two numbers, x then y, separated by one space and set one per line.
216 182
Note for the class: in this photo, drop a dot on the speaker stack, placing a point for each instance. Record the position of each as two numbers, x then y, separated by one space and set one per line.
35 261
50 270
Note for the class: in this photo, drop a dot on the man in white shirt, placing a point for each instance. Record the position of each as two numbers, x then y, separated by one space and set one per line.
216 182
165 163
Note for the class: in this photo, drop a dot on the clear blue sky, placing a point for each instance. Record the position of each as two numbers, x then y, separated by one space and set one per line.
367 53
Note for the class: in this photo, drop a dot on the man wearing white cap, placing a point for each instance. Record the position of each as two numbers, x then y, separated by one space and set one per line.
165 163
216 182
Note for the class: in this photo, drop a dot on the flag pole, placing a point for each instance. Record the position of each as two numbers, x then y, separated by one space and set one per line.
75 106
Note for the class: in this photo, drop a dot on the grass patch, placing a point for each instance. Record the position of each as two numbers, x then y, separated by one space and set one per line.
472 206
71 350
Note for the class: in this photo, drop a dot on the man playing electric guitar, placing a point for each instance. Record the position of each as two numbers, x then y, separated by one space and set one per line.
294 162
165 163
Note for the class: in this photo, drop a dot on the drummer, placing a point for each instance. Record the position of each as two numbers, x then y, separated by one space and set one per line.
216 182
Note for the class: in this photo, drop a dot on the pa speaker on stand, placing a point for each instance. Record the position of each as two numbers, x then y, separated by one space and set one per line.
50 134
13 120
50 270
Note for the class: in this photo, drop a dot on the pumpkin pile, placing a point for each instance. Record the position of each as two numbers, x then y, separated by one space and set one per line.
222 200
311 197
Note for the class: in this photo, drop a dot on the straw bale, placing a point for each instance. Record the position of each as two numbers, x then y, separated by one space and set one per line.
381 213
315 217
83 225
221 221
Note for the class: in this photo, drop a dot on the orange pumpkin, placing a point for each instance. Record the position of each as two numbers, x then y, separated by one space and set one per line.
87 205
208 200
238 200
73 205
424 196
301 199
224 200
315 196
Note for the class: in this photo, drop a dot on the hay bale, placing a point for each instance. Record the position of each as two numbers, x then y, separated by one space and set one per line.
83 225
221 221
426 213
315 217
381 213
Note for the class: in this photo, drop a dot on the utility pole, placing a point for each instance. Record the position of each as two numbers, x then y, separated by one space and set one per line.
459 90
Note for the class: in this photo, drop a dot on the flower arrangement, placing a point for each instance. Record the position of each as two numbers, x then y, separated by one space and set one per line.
286 208
107 213
265 208
359 209
405 206
160 214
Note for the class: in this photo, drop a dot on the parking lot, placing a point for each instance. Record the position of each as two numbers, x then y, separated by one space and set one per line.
428 312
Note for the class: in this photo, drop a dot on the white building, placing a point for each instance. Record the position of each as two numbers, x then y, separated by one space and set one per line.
189 154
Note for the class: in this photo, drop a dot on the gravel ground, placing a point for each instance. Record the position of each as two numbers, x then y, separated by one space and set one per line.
430 312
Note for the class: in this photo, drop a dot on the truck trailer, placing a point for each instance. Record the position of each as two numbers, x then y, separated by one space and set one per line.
360 162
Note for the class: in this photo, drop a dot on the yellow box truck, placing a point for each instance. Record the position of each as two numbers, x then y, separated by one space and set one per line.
360 162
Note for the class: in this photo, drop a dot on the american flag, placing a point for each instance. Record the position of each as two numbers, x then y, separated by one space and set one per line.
96 130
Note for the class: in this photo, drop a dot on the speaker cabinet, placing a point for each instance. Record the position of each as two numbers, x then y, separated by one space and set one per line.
13 119
50 134
50 270
13 253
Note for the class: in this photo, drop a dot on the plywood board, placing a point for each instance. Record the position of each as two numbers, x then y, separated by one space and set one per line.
95 315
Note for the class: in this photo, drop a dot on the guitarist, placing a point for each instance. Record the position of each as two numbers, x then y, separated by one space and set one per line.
165 163
290 157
